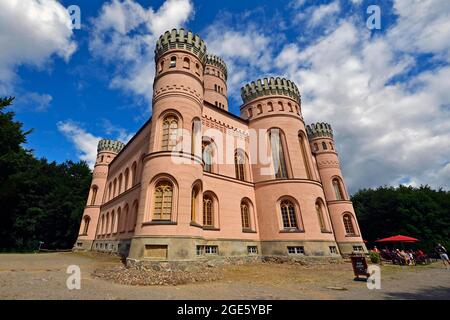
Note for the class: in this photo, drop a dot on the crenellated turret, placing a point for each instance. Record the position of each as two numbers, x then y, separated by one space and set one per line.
215 81
270 87
183 40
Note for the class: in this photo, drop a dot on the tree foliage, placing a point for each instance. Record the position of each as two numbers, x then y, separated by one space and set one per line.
421 213
40 201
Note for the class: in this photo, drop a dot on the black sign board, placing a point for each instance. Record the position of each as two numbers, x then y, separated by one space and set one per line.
359 264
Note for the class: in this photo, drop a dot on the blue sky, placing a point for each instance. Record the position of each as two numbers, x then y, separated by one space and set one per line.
386 92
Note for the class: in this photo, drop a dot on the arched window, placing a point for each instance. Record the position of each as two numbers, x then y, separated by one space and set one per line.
107 224
114 188
113 222
173 62
169 132
119 220
197 68
102 225
280 106
250 112
94 195
133 174
194 202
87 221
277 149
305 157
324 145
331 146
208 211
239 164
161 66
163 196
245 215
196 137
215 87
119 191
134 217
338 189
208 155
288 214
290 107
320 215
316 147
125 219
126 179
348 224
186 63
259 108
270 106
109 191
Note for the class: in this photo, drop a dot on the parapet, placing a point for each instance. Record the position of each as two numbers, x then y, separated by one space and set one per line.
319 129
218 62
180 39
270 86
110 145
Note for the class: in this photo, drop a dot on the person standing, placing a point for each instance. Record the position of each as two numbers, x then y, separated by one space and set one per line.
440 249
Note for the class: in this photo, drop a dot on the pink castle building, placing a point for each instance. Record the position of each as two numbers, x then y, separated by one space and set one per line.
197 181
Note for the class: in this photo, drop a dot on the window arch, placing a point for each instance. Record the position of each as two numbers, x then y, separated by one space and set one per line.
280 106
169 132
321 215
305 155
250 112
186 63
208 150
126 179
119 220
114 188
278 154
133 173
290 107
208 211
338 191
348 224
288 214
195 196
163 200
87 221
270 106
316 147
134 216
245 214
93 194
125 219
173 62
109 191
239 164
161 66
102 225
107 230
259 108
119 191
324 145
196 135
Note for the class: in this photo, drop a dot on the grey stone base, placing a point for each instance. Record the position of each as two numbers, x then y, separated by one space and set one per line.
347 248
83 245
120 247
311 248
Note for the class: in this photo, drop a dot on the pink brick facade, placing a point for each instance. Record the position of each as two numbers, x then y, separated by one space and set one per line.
197 181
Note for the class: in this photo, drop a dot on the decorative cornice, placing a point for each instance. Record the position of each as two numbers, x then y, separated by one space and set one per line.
318 130
110 145
268 87
180 39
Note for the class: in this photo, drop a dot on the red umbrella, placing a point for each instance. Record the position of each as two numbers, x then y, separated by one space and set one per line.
398 238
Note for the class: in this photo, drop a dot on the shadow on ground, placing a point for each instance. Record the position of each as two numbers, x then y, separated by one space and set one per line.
434 293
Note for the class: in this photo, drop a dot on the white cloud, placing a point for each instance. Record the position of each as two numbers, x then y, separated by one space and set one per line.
124 35
323 12
85 142
31 33
33 101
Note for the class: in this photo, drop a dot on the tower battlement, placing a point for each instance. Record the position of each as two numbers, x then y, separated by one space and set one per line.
217 61
319 129
270 86
180 39
110 145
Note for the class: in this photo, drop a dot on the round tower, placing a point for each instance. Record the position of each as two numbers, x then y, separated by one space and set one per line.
173 164
107 150
345 224
215 78
290 199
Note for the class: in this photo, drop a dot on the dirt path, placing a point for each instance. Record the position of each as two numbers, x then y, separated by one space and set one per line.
43 276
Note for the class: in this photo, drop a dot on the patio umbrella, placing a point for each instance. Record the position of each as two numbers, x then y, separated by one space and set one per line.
398 238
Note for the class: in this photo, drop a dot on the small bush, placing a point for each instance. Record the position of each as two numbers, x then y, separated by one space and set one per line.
374 257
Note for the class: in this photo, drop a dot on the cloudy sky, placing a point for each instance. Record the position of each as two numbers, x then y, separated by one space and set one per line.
386 92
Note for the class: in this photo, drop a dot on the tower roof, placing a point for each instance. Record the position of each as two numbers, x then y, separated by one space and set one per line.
217 61
180 39
110 145
270 86
319 129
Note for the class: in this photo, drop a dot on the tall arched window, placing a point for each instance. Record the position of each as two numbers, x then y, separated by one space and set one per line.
87 221
208 211
194 202
338 189
245 215
186 63
134 217
94 195
102 225
324 145
107 223
348 224
119 220
169 132
163 196
320 215
125 219
288 214
119 191
239 164
302 141
110 191
196 136
208 155
161 66
126 179
277 149
114 188
133 174
270 106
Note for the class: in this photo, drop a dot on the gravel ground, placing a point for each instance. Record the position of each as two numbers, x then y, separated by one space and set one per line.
43 276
